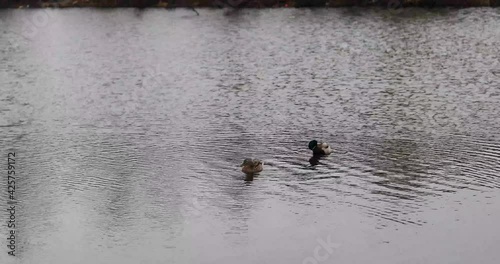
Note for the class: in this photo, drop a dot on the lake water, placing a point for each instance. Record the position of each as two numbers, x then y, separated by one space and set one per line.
129 128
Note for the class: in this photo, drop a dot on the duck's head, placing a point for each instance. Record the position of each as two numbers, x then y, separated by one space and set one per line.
247 162
313 144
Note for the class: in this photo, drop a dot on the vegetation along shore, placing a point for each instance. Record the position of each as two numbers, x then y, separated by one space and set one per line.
243 3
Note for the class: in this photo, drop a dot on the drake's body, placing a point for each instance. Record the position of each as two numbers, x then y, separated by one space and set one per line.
320 148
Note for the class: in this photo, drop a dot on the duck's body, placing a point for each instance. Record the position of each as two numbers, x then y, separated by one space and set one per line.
251 166
320 148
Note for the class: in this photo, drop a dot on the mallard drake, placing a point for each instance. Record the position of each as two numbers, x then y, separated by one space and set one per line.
320 148
251 166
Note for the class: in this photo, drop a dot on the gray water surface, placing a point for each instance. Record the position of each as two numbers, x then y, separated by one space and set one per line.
129 127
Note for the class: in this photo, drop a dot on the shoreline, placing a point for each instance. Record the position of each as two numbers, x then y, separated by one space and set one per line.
170 4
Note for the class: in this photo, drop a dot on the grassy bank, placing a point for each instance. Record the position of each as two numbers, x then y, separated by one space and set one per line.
244 3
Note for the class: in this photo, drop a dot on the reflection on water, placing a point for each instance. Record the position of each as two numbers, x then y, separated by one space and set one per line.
130 130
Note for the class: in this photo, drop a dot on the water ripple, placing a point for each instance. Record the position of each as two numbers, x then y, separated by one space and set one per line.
132 125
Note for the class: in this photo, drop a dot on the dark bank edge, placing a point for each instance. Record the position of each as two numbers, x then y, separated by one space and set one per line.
245 3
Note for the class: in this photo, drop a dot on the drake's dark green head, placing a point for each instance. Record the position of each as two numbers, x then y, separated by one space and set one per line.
313 144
